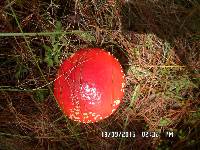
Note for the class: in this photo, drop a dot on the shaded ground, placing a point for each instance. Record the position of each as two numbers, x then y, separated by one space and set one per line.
177 22
157 44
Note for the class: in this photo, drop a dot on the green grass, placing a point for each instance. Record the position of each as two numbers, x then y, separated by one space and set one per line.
161 62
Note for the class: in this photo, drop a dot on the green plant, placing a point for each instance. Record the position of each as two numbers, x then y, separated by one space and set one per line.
164 122
21 70
135 96
181 134
139 72
40 94
86 36
193 117
177 87
53 52
149 42
166 50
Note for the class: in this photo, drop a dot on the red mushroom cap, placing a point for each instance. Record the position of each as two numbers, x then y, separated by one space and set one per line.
89 85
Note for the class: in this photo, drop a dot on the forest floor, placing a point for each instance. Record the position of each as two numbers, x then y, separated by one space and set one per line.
157 44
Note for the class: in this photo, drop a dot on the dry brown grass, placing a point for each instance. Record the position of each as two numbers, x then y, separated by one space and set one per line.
160 62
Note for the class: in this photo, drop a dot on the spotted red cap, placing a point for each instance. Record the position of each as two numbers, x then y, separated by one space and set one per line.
89 85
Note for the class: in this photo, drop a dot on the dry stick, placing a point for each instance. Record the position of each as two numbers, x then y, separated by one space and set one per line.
10 4
14 34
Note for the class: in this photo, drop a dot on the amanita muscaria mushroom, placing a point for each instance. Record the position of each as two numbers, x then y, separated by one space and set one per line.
89 85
